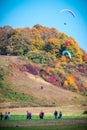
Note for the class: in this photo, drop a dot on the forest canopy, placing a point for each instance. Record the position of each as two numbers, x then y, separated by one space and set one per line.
22 41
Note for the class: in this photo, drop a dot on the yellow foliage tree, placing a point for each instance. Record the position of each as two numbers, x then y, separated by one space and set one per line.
35 39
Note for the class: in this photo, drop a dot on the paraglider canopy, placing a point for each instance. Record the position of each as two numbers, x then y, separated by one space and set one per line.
69 11
67 52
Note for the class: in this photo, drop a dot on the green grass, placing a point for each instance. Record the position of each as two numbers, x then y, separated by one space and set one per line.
19 122
49 123
66 115
57 127
49 117
16 96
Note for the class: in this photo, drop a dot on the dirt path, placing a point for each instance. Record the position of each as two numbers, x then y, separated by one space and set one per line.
41 123
36 110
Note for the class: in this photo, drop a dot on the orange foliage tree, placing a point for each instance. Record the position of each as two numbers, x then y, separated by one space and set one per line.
70 83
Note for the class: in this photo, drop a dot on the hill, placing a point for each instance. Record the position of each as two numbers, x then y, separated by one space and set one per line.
22 88
41 65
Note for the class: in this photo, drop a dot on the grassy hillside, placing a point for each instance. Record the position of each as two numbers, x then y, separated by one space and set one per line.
19 85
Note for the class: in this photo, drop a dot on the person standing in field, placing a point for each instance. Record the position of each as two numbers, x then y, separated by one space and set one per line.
9 116
6 116
55 114
60 115
27 115
41 115
1 116
30 116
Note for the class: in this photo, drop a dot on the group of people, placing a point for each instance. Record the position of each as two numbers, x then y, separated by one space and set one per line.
41 115
6 116
29 115
56 114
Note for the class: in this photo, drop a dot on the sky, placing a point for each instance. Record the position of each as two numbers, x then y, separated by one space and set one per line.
27 13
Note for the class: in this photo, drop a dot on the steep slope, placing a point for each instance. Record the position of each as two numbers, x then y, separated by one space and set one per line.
21 86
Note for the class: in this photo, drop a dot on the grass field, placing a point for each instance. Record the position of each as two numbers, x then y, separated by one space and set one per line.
19 122
73 119
48 117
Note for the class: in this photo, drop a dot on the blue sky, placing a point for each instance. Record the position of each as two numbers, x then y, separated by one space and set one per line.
27 13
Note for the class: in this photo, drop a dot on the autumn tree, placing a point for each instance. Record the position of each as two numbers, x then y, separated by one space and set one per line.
85 57
52 46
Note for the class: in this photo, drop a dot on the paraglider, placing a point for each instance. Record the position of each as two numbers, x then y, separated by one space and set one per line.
69 11
67 52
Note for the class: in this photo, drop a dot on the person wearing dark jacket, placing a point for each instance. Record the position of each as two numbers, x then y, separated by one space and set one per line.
55 114
1 116
60 115
41 115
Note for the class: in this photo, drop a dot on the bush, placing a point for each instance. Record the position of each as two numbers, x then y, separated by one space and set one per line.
1 76
32 69
40 57
1 85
